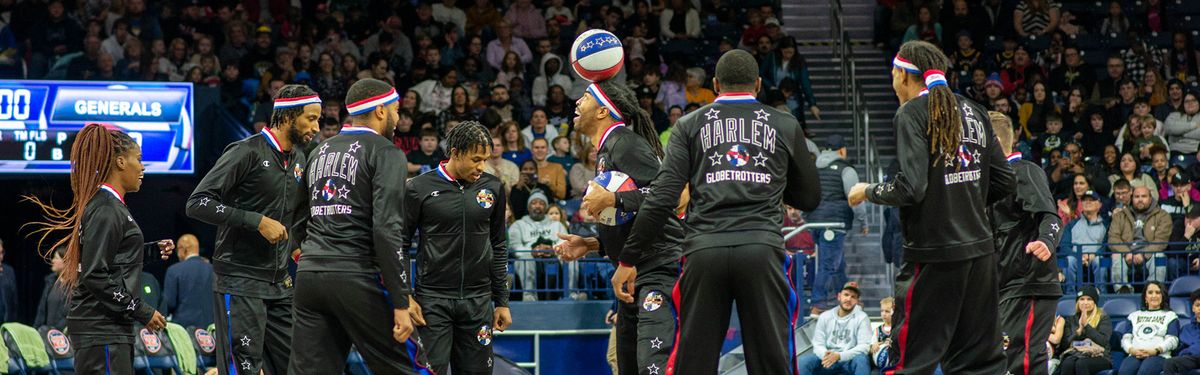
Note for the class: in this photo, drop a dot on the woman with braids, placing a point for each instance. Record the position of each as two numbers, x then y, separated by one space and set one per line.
104 251
256 196
951 169
626 142
462 253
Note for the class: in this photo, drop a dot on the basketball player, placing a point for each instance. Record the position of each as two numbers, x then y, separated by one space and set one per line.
946 291
625 141
256 196
352 285
462 255
104 251
1027 230
743 161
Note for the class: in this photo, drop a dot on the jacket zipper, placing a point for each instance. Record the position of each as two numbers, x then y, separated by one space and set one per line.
462 248
286 203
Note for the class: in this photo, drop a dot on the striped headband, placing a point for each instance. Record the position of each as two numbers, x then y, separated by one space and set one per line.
368 104
909 67
934 77
297 102
604 101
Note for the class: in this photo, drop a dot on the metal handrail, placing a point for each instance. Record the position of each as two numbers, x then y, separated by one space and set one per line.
793 231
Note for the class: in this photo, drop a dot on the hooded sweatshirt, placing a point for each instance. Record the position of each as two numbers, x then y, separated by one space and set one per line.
849 335
542 83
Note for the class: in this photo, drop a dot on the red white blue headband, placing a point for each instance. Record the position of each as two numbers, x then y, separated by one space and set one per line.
909 67
934 77
368 104
604 101
297 102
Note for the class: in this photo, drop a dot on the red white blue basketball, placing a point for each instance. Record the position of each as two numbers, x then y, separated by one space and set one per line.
597 55
737 156
616 182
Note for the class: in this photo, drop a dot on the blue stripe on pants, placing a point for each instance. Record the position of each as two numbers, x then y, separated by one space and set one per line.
229 323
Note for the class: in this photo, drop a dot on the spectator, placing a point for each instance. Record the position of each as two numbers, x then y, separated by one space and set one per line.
53 38
1139 57
976 88
436 93
142 24
1075 115
538 126
448 13
1071 164
679 21
1159 169
1073 72
424 24
510 68
1036 17
837 177
428 156
1183 127
400 54
459 109
1090 230
327 79
1116 23
1181 61
499 167
1131 231
532 232
115 43
1154 90
1066 24
1037 114
926 28
501 104
1083 339
959 21
842 338
407 137
560 112
377 68
657 116
1071 207
549 173
1182 198
673 116
1130 170
1106 89
1188 358
106 71
560 14
236 44
1001 104
526 20
527 184
514 143
1174 100
505 43
562 154
1099 142
551 73
330 127
965 60
555 213
881 348
1191 226
1021 72
8 289
584 170
52 307
1122 197
1154 336
482 16
187 298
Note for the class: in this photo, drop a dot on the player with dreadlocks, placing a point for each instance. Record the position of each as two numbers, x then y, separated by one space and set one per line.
256 196
951 169
104 251
463 256
626 142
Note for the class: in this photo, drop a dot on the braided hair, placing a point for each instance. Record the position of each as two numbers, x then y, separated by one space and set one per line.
945 121
285 115
92 156
467 136
633 115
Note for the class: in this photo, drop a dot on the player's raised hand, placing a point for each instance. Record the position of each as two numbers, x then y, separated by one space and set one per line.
166 248
272 230
1039 250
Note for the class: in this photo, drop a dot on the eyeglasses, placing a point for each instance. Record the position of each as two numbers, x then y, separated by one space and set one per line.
1190 100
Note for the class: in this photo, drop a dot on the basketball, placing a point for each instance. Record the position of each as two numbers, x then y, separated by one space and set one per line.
597 55
615 182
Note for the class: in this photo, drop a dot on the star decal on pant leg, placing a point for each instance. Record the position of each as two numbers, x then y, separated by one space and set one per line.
712 113
245 365
245 340
489 362
656 343
653 369
716 158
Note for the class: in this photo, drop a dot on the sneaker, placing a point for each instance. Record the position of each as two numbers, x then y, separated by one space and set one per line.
528 297
579 296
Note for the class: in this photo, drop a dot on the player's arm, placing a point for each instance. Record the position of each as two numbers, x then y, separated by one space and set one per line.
639 162
663 197
388 218
499 239
207 201
299 230
412 213
1002 181
100 238
803 189
907 187
1033 193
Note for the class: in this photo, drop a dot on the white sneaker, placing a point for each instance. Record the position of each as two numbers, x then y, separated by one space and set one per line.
579 296
528 297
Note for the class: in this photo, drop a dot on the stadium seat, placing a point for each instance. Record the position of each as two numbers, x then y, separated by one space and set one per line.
58 347
205 346
1066 307
1119 308
26 348
355 363
153 351
1179 292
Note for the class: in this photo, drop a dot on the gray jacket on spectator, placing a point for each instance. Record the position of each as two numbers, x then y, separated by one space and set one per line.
1184 132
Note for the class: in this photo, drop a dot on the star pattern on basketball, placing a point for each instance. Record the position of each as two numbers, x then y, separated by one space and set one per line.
342 191
762 114
760 160
598 42
354 147
716 158
656 343
712 113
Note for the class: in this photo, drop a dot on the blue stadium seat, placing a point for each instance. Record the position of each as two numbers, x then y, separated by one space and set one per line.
355 363
1119 331
55 342
1066 307
153 351
1179 292
1119 308
14 354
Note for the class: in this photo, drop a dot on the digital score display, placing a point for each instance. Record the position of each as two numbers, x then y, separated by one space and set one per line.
39 121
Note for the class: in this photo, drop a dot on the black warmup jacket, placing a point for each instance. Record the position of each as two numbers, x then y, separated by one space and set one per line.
462 251
743 160
1027 215
943 202
252 179
357 210
106 301
625 151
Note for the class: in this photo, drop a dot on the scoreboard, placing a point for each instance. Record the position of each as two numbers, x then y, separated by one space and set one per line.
39 121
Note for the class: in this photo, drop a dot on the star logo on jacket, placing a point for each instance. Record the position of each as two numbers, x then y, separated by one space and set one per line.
118 296
245 365
323 147
762 160
204 202
245 340
1054 226
762 114
485 198
132 305
653 368
354 147
712 113
716 158
342 191
220 208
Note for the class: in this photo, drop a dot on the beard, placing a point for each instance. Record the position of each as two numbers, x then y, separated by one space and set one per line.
295 135
390 126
